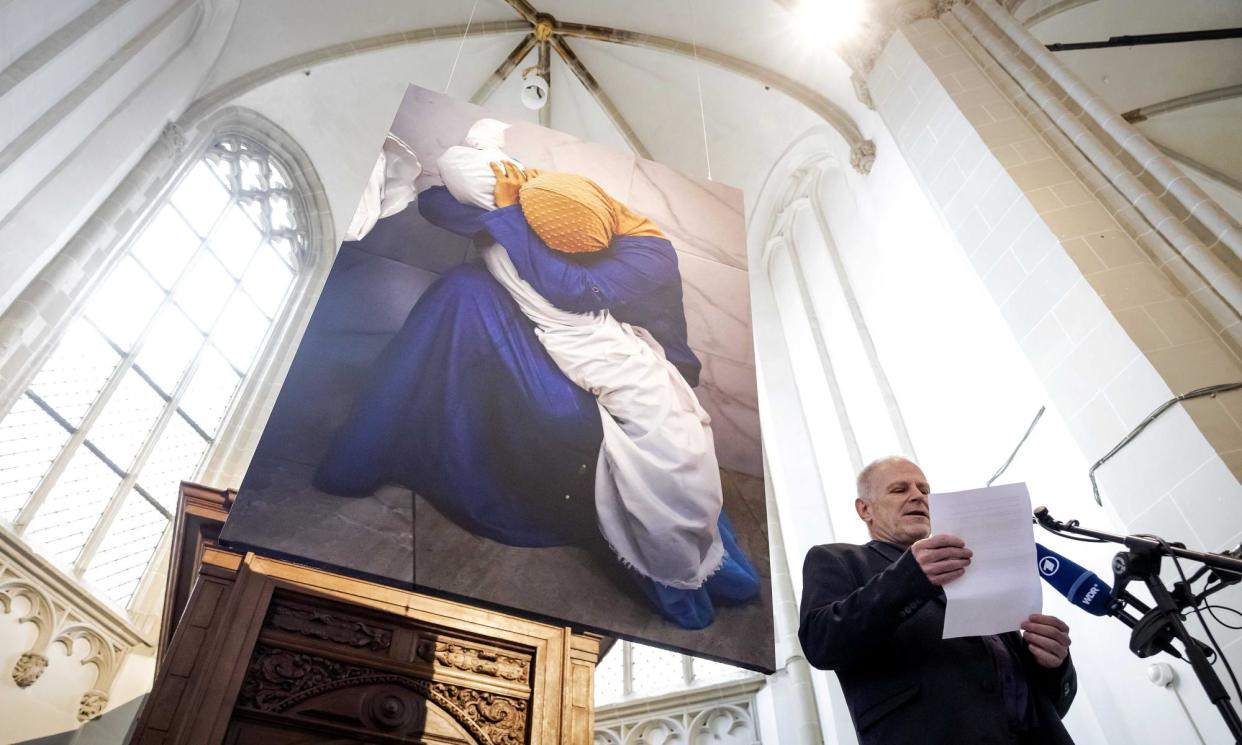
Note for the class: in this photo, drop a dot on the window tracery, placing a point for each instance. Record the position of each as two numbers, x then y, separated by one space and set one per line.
132 397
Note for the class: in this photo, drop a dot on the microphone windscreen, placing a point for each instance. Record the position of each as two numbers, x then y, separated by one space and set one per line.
1079 585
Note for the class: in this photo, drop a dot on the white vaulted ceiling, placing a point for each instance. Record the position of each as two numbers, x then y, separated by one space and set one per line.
746 122
1139 77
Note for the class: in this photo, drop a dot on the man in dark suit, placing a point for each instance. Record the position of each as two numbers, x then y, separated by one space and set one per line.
875 614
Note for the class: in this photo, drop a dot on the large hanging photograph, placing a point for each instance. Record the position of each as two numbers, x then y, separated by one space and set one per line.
529 383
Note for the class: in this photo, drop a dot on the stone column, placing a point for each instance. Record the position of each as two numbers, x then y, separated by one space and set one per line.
792 691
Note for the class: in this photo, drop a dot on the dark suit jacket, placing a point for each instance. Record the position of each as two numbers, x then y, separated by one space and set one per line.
870 614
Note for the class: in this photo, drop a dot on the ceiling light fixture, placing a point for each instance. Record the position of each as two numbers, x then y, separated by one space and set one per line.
534 90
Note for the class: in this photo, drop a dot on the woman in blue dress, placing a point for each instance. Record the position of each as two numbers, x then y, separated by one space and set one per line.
466 407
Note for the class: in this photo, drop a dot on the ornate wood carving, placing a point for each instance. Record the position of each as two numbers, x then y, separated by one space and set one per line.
491 717
279 680
329 626
268 652
473 659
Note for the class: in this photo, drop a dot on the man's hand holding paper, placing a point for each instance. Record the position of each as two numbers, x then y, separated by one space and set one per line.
986 535
942 557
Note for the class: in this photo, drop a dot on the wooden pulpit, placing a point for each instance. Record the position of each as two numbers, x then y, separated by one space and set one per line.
269 652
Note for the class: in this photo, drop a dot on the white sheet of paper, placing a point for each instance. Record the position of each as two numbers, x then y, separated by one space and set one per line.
1000 587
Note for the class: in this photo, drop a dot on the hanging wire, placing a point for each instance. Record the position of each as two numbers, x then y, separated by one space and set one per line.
1210 390
1021 442
694 42
461 46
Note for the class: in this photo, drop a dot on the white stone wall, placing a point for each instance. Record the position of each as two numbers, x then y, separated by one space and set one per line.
83 97
1071 353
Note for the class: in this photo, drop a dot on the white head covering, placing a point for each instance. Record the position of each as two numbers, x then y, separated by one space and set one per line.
485 134
466 170
389 189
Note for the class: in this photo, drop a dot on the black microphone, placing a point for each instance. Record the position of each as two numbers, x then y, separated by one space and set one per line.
1079 585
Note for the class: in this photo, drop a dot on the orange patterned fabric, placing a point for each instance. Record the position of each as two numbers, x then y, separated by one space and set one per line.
572 214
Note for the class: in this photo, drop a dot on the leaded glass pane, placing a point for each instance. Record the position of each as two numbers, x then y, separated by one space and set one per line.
124 362
655 670
708 671
284 249
267 280
127 420
72 508
205 291
176 458
221 166
610 676
250 169
210 391
29 440
276 175
282 213
72 377
123 306
165 246
170 348
240 330
235 240
200 198
124 553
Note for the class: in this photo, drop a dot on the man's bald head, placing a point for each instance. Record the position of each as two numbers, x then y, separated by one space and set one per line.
868 478
892 500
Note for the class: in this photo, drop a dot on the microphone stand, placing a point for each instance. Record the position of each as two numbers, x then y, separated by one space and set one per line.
1163 623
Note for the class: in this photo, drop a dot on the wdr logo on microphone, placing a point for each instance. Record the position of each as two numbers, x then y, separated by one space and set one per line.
1049 565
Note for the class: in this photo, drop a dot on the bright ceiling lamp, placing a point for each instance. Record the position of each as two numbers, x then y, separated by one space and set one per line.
829 22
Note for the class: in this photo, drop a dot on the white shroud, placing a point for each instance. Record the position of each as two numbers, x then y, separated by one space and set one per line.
657 485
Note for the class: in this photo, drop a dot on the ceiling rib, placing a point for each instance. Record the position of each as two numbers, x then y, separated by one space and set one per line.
513 60
545 69
223 94
816 102
592 85
1055 9
1203 168
807 96
1143 113
524 9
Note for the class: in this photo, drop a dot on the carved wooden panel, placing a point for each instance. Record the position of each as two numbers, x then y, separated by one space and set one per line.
318 693
273 653
199 516
327 625
326 664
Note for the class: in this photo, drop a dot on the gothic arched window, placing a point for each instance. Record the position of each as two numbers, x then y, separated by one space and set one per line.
133 395
644 694
636 671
